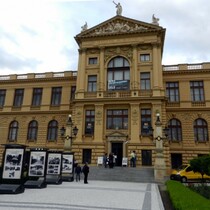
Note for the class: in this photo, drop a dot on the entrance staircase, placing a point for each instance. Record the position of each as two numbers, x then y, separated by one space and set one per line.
127 174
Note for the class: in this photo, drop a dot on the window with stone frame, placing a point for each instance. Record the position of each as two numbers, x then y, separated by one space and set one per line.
56 96
175 130
117 119
145 81
18 97
118 74
37 96
2 97
146 122
145 57
172 91
92 83
32 130
13 131
92 60
197 91
52 131
200 130
89 122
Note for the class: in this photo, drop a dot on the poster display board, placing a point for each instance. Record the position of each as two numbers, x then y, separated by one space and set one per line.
13 163
125 161
67 164
54 163
100 161
37 164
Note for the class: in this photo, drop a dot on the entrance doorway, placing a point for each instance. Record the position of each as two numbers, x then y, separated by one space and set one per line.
117 149
146 156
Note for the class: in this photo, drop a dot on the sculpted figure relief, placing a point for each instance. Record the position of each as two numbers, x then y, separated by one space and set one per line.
85 27
155 20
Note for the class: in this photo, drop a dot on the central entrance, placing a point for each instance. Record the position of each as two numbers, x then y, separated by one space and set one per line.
117 149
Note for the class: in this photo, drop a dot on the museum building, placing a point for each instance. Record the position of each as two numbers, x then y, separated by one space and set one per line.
114 98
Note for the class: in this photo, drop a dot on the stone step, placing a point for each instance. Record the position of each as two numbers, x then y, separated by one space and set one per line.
127 174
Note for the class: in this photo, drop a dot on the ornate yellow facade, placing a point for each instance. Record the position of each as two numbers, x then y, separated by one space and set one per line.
121 85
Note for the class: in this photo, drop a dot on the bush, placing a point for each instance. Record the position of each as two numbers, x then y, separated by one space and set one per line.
201 189
185 199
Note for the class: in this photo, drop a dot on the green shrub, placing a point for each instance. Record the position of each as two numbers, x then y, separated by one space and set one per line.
185 199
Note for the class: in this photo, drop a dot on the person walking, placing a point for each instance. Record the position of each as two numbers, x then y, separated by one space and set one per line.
85 171
105 160
78 171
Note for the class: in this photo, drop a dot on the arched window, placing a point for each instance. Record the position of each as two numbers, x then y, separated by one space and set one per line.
118 74
13 131
175 130
52 132
32 130
200 130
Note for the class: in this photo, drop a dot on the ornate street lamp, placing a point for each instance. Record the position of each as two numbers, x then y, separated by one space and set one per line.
68 133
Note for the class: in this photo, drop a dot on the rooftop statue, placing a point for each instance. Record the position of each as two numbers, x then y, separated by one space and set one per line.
119 8
155 20
84 27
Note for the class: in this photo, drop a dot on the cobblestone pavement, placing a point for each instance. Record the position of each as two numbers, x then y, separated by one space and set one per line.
96 195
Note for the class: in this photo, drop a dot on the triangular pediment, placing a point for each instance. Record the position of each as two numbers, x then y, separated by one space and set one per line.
118 25
116 134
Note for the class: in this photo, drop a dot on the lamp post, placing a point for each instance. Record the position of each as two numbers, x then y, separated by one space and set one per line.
68 133
160 165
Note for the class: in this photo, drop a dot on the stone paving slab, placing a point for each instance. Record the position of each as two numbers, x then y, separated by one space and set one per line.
97 195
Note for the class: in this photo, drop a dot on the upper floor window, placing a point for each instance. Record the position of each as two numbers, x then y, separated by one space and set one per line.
13 131
146 121
118 74
32 130
73 90
93 60
144 57
200 130
197 91
56 96
92 83
89 121
37 97
2 97
172 91
52 131
18 98
175 130
145 81
117 119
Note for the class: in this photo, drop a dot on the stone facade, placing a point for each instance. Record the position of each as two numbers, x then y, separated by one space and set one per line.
140 46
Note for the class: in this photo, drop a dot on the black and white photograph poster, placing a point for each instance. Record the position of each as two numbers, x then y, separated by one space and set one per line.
67 166
37 163
13 163
54 163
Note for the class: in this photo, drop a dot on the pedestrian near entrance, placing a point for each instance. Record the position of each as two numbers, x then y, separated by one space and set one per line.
133 159
78 171
85 171
105 160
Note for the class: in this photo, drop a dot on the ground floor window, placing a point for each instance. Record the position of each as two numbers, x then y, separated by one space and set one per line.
86 156
176 160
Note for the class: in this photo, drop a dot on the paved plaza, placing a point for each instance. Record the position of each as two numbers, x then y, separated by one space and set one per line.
97 195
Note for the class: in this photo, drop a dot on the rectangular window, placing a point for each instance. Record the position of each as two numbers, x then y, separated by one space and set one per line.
146 121
37 97
18 99
2 97
89 121
56 96
145 81
93 60
73 90
117 119
92 83
172 91
145 57
197 91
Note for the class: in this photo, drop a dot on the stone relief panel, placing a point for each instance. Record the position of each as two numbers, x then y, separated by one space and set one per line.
134 114
99 114
78 115
112 51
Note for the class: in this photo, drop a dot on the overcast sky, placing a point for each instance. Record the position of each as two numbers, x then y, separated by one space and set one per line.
38 35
